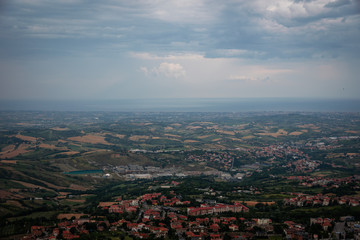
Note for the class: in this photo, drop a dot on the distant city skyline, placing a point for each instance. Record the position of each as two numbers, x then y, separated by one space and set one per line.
116 49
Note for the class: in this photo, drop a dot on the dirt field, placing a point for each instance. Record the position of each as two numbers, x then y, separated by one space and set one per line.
204 136
59 129
21 149
5 194
280 132
26 138
89 138
9 195
312 126
138 138
354 132
8 161
8 148
52 147
173 139
48 146
226 132
248 137
172 135
30 185
236 139
27 124
213 127
77 187
64 193
15 203
193 127
121 136
106 204
295 133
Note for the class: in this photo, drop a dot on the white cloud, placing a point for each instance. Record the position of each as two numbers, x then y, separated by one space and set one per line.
169 70
172 70
241 78
145 70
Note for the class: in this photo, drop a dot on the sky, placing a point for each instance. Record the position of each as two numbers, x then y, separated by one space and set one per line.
143 49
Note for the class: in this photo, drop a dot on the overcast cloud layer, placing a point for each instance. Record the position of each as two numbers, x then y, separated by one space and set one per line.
114 49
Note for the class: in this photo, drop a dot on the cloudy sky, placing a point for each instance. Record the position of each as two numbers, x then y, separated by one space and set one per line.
116 49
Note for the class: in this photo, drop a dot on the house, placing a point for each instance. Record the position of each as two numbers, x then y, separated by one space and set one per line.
116 209
326 225
131 209
176 225
68 235
234 227
215 237
214 227
262 221
193 235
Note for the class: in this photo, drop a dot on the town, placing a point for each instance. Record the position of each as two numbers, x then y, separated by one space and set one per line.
157 216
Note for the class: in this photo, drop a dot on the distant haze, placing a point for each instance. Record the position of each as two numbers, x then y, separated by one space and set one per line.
188 105
171 49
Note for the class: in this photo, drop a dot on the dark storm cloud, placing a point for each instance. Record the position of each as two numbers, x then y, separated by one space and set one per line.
338 3
167 26
293 32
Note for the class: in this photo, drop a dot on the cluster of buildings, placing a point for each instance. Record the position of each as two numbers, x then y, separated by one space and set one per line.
327 143
134 172
301 200
132 206
303 165
156 224
205 209
300 162
155 215
158 216
66 229
325 182
214 228
324 228
274 152
224 160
